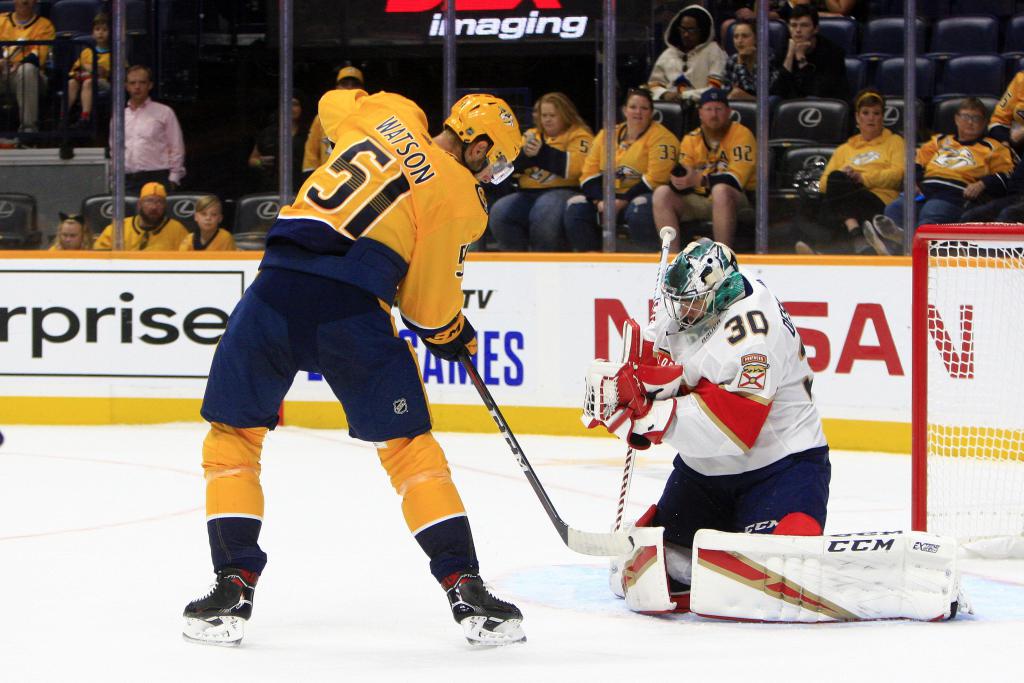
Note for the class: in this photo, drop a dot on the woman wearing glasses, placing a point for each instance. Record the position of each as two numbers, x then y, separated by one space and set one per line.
690 56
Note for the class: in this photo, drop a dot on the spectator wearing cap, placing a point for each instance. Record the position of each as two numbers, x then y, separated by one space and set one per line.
72 235
690 56
210 236
715 172
22 67
151 229
154 148
813 66
318 146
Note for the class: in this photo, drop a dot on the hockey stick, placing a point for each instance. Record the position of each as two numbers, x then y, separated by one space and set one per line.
585 542
667 234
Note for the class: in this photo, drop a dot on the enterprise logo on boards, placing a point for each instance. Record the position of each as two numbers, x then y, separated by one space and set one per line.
514 27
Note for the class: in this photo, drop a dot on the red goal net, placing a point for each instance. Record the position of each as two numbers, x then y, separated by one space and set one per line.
968 385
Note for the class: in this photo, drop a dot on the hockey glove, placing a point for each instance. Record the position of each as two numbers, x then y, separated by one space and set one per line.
446 344
618 397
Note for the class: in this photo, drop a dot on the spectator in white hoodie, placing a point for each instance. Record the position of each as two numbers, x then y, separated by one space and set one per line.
691 55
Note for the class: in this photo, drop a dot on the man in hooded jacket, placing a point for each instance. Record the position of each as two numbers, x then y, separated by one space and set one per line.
690 56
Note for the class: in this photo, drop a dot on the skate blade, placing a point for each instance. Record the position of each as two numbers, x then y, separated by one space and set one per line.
221 631
480 634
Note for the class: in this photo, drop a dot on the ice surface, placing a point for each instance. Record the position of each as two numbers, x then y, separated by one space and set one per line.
102 542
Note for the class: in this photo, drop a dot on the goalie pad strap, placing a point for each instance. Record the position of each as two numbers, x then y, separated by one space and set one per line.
853 577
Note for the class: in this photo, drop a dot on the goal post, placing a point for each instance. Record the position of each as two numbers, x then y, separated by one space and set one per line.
968 385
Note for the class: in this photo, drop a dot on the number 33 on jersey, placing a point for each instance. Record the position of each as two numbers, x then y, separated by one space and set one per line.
388 195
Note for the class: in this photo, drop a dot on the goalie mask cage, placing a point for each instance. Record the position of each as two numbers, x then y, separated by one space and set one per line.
968 385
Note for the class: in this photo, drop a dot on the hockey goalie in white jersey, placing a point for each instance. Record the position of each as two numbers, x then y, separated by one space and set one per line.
720 375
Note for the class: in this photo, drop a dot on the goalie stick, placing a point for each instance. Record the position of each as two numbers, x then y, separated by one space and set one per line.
667 234
584 542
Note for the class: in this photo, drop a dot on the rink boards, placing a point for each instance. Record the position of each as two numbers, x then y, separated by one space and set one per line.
129 339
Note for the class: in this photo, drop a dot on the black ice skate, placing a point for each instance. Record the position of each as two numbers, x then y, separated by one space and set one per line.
218 618
485 619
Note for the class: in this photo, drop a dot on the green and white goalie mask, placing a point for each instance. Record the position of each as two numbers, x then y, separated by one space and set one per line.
701 282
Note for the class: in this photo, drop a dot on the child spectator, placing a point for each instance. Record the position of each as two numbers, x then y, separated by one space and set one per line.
72 234
81 75
210 237
550 165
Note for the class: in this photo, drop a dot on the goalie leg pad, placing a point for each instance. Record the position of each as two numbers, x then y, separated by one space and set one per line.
852 577
644 577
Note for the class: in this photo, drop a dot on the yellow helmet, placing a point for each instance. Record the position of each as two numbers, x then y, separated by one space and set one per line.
482 114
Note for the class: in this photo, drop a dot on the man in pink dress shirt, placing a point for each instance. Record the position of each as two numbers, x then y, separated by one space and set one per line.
154 148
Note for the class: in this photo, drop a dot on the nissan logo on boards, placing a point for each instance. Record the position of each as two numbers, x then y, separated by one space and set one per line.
810 117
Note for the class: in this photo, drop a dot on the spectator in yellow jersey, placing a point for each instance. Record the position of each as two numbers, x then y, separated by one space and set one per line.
318 145
22 66
385 223
715 171
953 172
644 154
151 229
550 165
1007 121
210 237
864 174
72 235
82 79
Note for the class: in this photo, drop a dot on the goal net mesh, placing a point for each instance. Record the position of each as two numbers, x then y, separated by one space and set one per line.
975 397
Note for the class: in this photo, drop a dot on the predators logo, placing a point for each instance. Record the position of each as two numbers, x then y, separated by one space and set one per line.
865 158
627 173
954 157
754 371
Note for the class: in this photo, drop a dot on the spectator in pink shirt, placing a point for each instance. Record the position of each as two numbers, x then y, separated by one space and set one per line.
154 149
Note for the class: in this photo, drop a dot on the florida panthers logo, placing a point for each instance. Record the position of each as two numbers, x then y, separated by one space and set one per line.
754 371
954 157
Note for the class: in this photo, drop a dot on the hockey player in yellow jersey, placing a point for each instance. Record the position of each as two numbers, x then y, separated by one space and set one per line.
644 155
715 171
954 172
387 220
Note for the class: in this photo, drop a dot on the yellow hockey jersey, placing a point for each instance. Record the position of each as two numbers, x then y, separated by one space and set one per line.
85 61
559 162
39 28
879 161
640 166
733 160
165 237
389 212
1009 109
946 166
222 241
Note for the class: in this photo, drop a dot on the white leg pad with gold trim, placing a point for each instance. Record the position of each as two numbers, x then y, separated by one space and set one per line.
850 577
642 577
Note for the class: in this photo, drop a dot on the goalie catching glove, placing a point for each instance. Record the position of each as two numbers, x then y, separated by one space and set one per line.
448 342
634 402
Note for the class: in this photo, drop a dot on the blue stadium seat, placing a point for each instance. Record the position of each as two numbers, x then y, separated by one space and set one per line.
842 31
997 8
74 17
889 79
943 120
1013 43
856 75
884 37
964 35
979 75
811 120
929 9
745 111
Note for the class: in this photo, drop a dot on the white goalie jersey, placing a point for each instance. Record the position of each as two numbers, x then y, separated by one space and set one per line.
747 386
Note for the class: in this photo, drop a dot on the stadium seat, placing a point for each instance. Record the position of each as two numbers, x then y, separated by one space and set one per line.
135 17
181 206
964 35
797 161
840 30
670 115
895 111
980 75
856 75
1013 42
98 211
18 229
250 241
944 119
745 111
883 38
794 202
809 121
74 17
256 213
889 78
997 8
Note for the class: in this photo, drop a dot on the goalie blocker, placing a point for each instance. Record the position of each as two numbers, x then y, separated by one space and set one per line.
777 578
